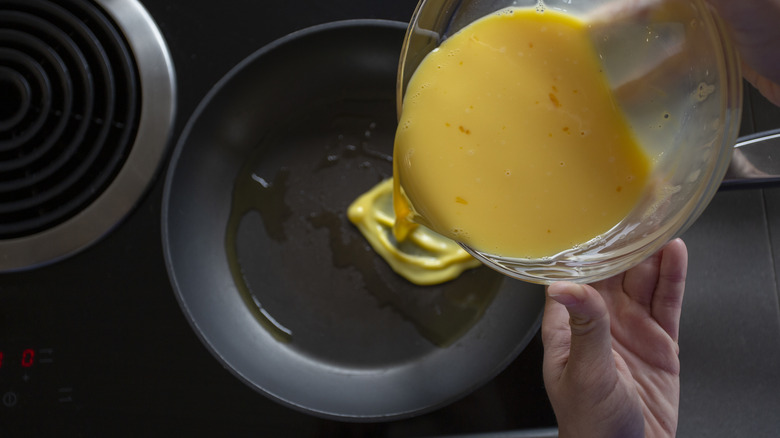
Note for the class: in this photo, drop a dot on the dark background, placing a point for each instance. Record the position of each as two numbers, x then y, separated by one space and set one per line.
118 355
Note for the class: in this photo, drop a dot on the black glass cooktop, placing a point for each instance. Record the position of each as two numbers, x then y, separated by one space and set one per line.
96 344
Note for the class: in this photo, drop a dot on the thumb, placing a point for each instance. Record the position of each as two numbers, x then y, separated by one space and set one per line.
591 339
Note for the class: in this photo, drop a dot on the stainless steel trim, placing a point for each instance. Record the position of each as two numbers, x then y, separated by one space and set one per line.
158 100
756 161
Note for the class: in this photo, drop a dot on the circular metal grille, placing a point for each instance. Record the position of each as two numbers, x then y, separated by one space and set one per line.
69 102
87 103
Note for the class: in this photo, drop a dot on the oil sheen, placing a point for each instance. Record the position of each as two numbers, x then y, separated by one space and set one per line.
511 141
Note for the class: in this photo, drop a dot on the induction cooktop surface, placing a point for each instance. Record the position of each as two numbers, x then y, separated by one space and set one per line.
92 339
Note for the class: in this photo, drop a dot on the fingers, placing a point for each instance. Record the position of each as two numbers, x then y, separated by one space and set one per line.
590 340
639 282
668 296
754 30
769 89
556 337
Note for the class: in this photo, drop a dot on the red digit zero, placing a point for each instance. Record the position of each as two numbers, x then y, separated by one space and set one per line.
28 356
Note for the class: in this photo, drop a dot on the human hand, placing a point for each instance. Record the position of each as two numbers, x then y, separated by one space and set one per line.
753 25
610 350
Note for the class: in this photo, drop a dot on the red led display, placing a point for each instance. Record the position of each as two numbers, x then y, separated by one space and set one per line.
28 357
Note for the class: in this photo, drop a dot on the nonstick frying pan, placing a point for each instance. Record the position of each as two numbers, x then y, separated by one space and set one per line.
277 283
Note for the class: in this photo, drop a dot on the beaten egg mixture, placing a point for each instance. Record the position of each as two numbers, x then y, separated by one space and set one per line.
511 142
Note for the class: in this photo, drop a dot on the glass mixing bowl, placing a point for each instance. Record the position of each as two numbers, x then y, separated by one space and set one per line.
676 76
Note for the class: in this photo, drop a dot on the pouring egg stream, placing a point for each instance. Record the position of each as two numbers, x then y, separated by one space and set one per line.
511 142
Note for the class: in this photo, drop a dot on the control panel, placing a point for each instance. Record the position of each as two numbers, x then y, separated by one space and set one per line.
29 377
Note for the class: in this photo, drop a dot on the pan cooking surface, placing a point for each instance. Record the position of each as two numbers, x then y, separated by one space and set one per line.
277 282
337 300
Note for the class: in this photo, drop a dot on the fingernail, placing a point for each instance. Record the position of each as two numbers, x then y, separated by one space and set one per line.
565 299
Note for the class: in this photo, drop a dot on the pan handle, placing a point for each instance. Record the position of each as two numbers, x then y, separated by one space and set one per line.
756 161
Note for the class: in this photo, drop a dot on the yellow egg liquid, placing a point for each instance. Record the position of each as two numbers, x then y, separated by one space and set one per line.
511 142
424 257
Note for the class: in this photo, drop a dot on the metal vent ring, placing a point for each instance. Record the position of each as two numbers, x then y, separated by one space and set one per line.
88 90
